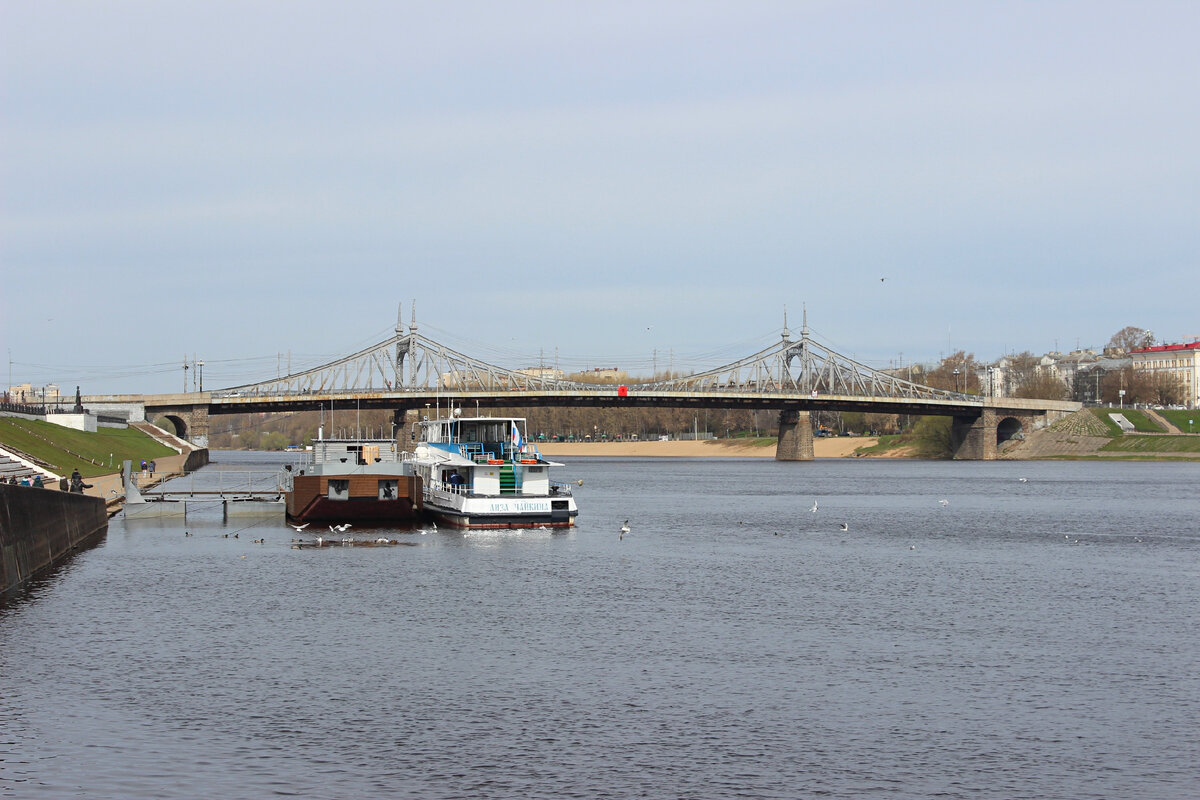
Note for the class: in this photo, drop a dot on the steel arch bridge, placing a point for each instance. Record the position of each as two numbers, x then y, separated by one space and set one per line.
410 371
410 363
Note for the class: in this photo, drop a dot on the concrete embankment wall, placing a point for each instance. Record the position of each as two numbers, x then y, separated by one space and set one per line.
195 460
41 527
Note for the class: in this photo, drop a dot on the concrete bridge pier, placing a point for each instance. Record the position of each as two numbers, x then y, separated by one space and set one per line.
403 427
974 438
795 437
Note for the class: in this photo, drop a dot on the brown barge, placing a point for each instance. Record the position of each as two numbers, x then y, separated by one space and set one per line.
354 481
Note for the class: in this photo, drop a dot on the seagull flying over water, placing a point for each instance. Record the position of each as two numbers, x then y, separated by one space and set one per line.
345 526
944 503
844 526
624 529
300 527
1023 480
814 508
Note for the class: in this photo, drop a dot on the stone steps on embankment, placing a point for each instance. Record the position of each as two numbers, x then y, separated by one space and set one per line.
163 437
1166 424
14 466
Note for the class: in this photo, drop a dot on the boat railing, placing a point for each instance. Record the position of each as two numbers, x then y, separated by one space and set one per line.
560 489
450 488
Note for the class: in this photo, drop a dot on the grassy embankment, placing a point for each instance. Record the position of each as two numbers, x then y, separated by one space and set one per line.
65 449
1135 445
930 437
1186 420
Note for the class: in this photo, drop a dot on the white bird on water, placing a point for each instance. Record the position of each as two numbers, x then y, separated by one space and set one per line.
944 503
624 529
1023 480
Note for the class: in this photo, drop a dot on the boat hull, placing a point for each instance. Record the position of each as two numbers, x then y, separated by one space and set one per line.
512 511
310 500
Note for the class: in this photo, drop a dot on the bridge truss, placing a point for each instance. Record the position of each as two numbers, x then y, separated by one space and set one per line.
412 363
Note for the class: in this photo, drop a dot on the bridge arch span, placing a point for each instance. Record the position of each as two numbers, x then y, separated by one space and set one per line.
1009 428
179 426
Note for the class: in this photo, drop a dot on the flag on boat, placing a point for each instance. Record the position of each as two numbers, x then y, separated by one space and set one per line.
516 438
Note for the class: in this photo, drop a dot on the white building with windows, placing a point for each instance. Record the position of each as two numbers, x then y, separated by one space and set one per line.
1181 362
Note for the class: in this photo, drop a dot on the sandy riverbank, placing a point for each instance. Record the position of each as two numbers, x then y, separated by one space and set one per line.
833 447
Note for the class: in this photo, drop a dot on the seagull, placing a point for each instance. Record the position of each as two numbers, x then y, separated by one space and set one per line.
814 508
1023 480
944 503
300 527
320 542
381 541
579 482
845 526
344 527
624 530
912 547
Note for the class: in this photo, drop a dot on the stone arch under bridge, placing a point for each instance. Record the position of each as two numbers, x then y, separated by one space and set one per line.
189 421
979 437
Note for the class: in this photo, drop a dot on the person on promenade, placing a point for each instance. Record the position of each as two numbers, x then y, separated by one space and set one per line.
77 484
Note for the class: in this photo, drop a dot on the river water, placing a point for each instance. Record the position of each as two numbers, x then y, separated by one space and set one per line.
1032 639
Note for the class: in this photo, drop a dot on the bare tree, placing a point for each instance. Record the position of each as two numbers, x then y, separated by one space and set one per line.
1042 386
1129 338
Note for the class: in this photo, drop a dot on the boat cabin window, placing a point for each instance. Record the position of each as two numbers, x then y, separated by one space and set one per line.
387 489
339 490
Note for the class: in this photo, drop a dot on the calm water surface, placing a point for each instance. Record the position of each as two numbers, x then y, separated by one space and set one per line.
1023 640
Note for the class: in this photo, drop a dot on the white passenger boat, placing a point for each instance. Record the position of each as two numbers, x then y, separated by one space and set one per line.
482 472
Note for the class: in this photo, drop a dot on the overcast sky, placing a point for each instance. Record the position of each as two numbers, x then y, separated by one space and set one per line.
597 184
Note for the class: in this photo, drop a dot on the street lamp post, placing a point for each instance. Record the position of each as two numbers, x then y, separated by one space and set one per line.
956 379
185 369
200 369
1121 394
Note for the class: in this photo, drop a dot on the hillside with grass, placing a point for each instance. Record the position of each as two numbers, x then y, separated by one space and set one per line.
62 450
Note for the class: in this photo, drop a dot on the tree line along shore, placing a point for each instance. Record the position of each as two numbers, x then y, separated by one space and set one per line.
629 433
